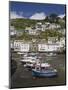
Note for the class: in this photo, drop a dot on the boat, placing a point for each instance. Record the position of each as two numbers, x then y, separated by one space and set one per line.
51 54
43 65
31 66
20 53
33 54
28 60
44 72
25 55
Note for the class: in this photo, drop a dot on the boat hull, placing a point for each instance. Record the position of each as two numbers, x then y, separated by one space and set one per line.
43 74
30 67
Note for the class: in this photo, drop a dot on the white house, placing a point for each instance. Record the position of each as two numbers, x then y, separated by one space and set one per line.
39 26
54 26
19 32
43 27
62 41
47 25
51 25
45 47
63 31
58 26
52 40
31 31
11 44
16 45
21 46
12 31
53 44
27 29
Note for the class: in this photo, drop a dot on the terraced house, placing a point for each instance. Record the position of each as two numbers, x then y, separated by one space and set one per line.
41 46
21 46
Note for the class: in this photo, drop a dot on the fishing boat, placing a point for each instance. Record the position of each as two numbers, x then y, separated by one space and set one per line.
44 72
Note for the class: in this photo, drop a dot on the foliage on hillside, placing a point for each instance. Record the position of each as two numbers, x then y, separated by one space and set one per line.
22 23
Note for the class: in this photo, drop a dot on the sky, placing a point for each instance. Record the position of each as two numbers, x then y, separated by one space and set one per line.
37 11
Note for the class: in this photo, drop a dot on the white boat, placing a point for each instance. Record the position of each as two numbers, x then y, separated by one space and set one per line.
33 54
51 54
28 60
29 65
32 65
24 61
42 65
20 53
25 55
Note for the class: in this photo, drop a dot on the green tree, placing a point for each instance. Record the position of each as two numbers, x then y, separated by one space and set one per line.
53 17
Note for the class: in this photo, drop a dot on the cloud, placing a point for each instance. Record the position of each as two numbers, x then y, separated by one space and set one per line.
61 16
14 15
38 16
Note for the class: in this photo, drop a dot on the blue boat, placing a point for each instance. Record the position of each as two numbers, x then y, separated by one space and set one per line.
48 72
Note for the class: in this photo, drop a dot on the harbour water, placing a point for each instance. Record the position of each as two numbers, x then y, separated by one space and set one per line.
23 77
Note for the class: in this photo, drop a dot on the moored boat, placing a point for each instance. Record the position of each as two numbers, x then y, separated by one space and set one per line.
28 60
32 65
44 73
51 54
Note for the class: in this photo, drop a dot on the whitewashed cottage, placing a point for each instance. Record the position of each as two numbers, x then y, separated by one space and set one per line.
19 32
31 31
39 26
21 46
52 40
12 31
52 45
45 47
